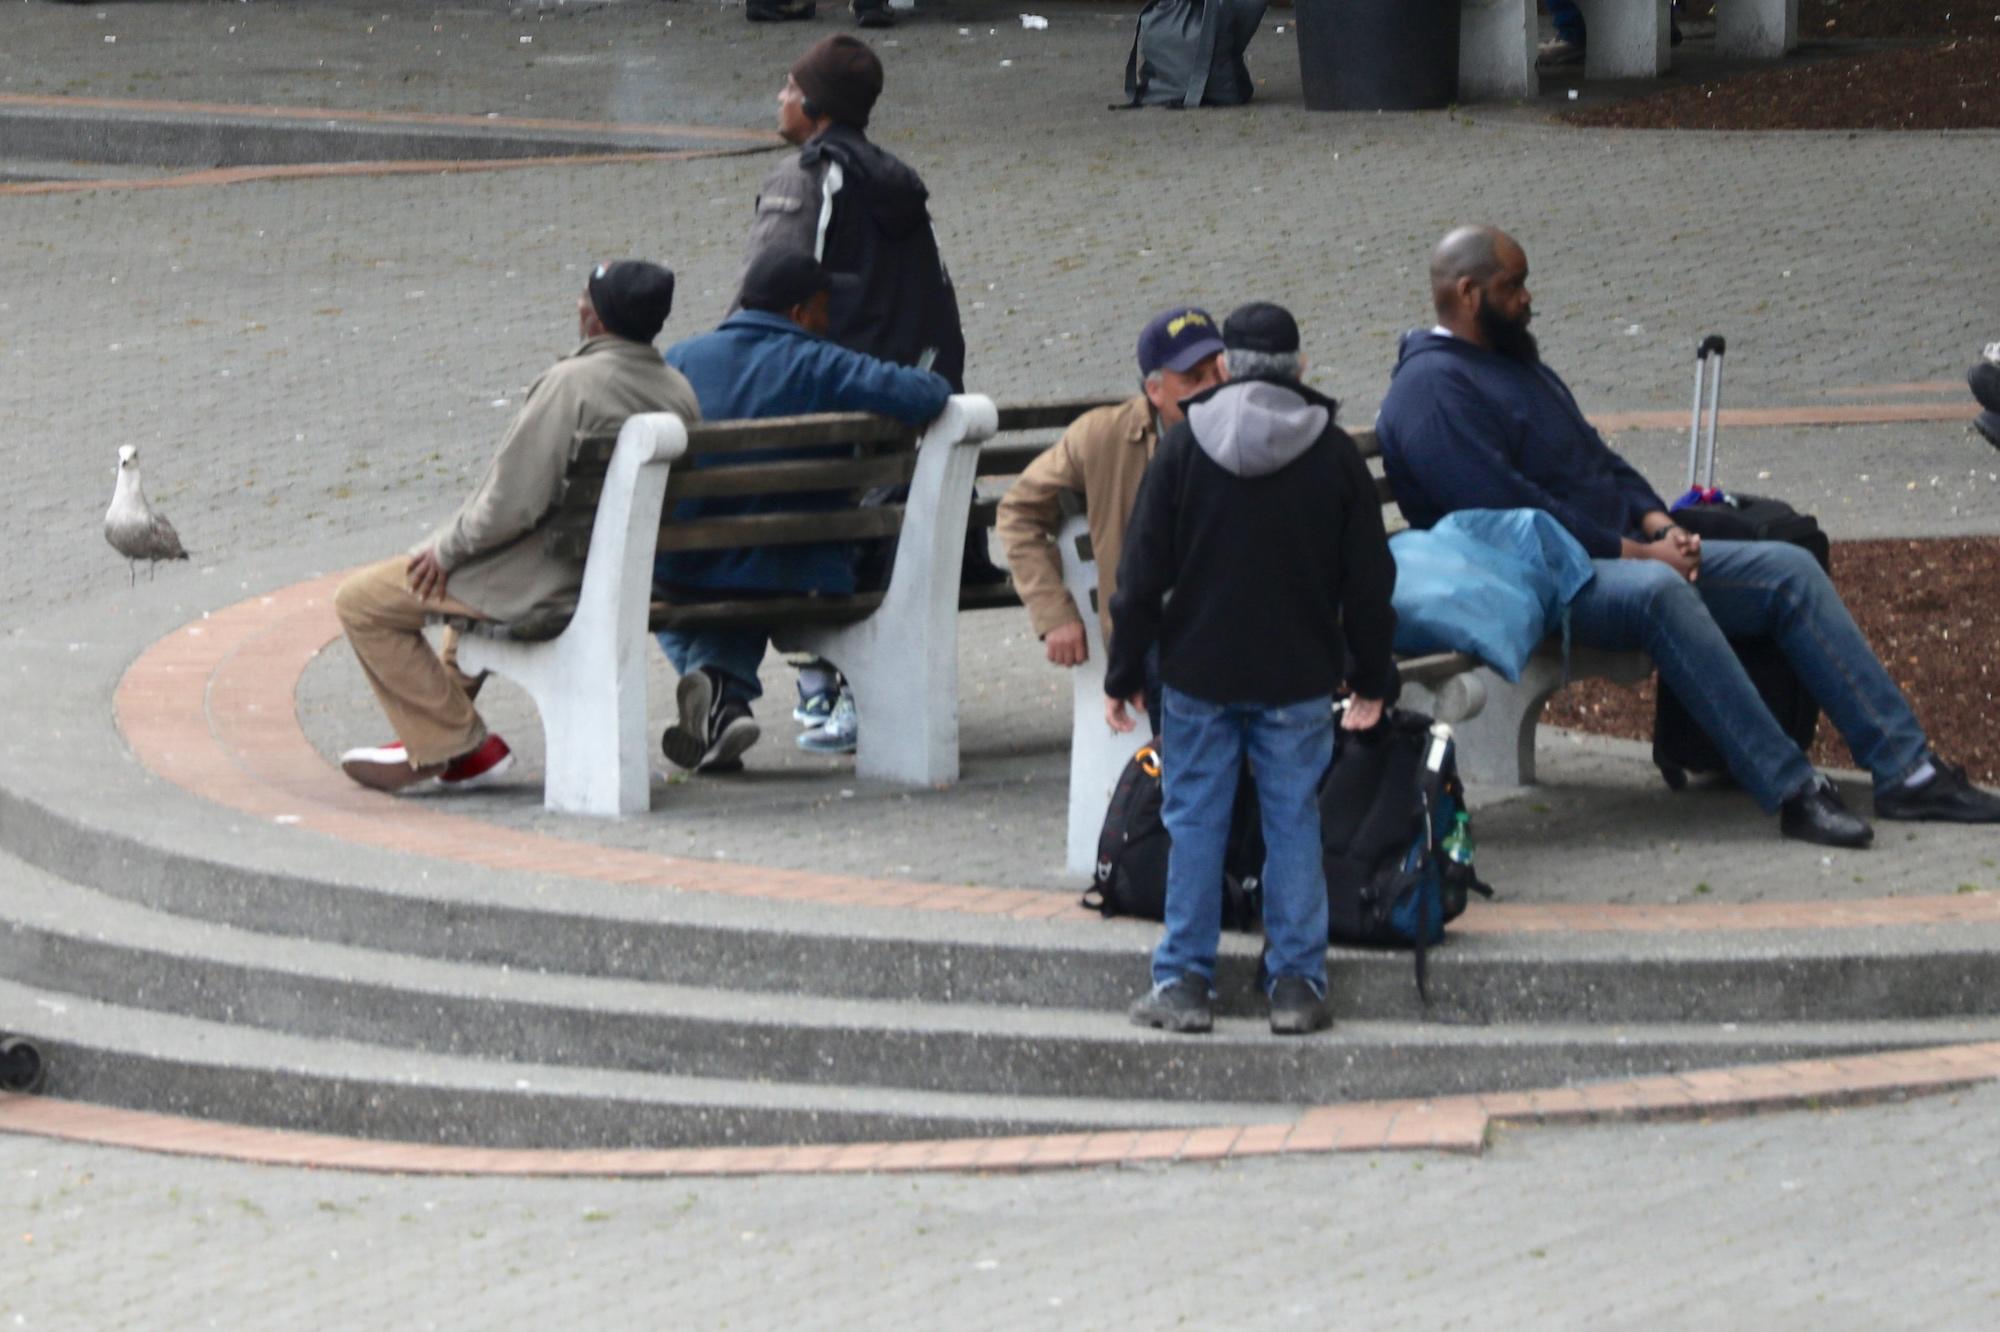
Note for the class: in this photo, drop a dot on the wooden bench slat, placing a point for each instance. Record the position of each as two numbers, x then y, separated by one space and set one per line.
1010 459
586 488
763 611
782 529
1049 415
569 539
988 596
790 432
892 469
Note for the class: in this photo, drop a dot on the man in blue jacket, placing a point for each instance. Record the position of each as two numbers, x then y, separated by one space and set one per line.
1474 420
770 358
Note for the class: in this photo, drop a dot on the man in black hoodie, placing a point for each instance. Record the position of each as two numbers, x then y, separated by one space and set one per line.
1256 560
861 212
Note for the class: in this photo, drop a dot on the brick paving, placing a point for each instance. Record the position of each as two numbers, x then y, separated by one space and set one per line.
1445 1124
306 359
1861 1218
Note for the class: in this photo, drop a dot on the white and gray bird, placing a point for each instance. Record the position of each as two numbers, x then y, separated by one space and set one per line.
130 524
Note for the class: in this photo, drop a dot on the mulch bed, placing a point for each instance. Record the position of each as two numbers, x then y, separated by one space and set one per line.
1950 81
1924 606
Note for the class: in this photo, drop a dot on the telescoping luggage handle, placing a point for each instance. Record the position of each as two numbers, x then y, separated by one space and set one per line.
1701 481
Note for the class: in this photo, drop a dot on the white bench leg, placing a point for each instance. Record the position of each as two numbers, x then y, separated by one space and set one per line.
591 694
1097 754
1497 747
1628 39
1764 29
1496 50
589 683
902 661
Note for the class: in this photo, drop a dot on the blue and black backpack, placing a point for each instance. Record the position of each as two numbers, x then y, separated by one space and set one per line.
1389 805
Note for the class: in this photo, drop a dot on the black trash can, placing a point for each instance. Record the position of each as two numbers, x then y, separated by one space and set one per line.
1377 55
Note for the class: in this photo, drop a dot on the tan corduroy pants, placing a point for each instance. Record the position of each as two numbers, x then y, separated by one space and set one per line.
428 700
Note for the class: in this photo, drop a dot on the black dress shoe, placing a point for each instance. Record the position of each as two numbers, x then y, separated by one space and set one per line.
1946 798
1817 814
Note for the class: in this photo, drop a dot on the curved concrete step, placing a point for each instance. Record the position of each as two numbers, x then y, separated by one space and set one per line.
452 913
143 1060
73 941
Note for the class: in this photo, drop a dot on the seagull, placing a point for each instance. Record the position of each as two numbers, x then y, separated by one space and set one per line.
130 524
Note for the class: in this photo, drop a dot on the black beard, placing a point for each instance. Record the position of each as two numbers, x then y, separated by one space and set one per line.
1508 337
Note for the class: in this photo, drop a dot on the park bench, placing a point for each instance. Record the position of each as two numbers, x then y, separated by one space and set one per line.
1629 39
1494 720
585 664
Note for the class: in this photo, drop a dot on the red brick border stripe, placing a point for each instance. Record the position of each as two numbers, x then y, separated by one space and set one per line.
1447 1124
211 708
335 170
321 114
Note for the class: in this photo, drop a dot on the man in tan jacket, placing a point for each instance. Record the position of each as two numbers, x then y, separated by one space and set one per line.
1102 456
489 562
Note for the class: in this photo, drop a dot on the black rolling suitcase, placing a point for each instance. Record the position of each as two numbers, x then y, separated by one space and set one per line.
1680 746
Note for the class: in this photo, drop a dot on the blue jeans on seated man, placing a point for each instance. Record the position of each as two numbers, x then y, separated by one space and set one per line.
1204 745
1749 589
731 655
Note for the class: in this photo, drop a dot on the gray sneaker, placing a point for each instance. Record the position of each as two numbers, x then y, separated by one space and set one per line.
1184 1005
1297 1008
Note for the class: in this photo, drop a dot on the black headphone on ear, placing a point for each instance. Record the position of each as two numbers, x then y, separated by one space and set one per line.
812 111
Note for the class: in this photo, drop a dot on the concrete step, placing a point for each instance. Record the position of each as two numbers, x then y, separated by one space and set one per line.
73 941
461 914
142 1060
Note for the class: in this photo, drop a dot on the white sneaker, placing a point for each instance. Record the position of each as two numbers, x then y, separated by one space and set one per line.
838 735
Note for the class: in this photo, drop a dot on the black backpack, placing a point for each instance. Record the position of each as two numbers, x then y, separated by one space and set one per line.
1131 874
1397 836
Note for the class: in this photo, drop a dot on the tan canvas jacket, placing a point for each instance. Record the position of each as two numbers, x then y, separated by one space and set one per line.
1102 454
491 549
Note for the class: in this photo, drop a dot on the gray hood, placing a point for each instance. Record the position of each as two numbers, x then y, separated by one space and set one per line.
1256 427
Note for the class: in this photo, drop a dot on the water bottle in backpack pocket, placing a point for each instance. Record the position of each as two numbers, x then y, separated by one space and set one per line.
1397 837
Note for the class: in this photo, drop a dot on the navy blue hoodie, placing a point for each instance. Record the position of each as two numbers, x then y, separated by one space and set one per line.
1467 428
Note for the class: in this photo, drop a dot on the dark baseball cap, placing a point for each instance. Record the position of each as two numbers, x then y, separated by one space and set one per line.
777 280
1261 327
632 297
1176 339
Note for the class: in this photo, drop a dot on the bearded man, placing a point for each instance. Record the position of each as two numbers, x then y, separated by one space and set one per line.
1474 420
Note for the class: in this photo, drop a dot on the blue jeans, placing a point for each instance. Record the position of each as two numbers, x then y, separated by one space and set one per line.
733 655
1751 589
1203 746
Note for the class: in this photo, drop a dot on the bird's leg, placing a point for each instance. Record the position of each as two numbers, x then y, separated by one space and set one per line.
131 573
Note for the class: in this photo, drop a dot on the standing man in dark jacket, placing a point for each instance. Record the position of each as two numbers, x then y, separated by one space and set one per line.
861 211
1475 420
864 214
770 358
1259 518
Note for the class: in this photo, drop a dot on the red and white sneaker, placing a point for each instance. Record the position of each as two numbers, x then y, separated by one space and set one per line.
482 767
386 767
